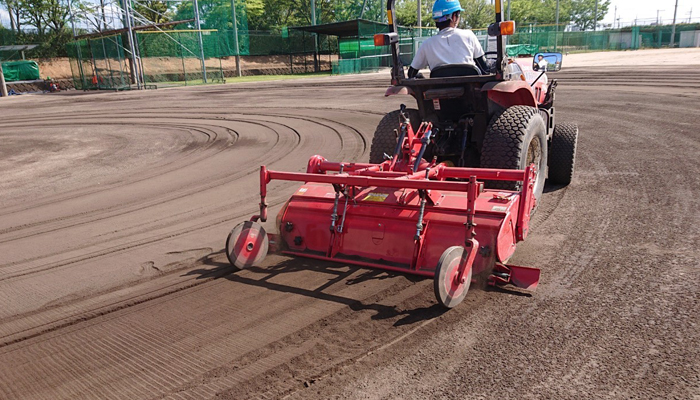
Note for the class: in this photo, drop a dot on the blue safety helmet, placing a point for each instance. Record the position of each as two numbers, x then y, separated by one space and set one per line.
443 9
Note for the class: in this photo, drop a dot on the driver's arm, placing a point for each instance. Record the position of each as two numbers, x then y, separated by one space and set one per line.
483 65
412 72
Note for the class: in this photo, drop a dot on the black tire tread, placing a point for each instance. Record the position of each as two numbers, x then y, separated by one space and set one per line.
504 142
562 153
384 140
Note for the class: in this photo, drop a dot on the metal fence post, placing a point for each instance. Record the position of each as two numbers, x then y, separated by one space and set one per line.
3 86
199 36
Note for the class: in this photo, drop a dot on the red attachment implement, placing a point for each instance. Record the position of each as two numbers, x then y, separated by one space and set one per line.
404 215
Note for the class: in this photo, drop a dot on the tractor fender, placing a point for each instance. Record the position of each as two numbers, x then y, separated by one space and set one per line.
392 90
510 93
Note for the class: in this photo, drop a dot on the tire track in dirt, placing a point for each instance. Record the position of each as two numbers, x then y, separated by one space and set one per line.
209 184
342 132
319 330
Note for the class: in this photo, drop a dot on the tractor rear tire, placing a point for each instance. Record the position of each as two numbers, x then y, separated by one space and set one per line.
384 141
516 137
562 153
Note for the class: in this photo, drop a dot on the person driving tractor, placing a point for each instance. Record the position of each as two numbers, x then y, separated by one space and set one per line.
451 45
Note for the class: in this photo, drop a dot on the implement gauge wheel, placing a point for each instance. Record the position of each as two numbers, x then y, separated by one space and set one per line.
448 290
247 244
384 140
516 138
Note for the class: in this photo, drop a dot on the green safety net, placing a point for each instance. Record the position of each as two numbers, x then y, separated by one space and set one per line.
358 54
177 58
553 38
99 63
24 70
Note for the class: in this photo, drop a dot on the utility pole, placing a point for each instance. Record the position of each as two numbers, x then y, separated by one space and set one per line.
235 37
673 30
657 16
508 16
595 17
614 17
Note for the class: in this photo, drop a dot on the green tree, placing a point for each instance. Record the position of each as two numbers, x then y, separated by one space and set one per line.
407 13
583 12
153 10
56 15
44 15
31 14
477 14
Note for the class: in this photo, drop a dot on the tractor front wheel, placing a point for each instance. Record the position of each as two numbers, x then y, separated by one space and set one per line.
384 141
515 139
562 153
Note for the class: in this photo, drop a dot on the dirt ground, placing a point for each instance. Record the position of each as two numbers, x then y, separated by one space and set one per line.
114 284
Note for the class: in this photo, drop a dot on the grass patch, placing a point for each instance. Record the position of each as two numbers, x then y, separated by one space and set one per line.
261 78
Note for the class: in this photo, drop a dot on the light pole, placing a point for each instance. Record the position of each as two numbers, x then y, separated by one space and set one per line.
132 43
595 17
313 22
198 22
418 14
235 37
556 24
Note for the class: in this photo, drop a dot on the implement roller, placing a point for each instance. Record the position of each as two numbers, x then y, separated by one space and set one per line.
405 215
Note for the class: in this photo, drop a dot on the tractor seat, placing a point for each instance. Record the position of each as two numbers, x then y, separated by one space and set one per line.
448 70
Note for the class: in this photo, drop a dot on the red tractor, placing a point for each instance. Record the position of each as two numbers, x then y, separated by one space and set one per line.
503 118
449 190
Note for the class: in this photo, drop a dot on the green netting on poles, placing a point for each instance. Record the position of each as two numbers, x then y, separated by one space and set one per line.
99 63
548 38
180 57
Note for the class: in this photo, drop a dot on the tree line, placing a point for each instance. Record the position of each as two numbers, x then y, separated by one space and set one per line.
47 21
